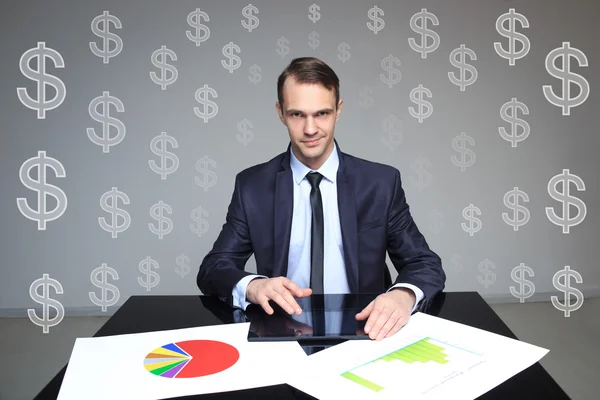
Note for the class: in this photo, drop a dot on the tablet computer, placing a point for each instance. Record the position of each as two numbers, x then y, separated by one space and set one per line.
320 325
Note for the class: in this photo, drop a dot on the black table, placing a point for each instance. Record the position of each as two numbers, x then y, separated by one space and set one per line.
155 313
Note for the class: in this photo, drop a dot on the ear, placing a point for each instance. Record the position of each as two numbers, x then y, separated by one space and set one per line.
279 112
339 110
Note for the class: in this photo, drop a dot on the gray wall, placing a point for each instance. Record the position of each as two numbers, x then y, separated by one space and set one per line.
440 178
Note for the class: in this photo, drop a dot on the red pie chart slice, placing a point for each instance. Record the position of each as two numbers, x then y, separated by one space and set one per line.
204 357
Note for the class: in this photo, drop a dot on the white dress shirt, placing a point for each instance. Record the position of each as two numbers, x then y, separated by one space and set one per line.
334 273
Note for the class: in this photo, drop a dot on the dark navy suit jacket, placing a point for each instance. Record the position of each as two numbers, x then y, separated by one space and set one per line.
374 218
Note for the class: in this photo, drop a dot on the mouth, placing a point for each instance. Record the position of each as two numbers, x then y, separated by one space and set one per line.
311 143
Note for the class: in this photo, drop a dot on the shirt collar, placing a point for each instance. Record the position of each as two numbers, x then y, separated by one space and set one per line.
328 169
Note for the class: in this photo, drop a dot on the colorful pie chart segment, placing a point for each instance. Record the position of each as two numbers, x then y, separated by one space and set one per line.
191 359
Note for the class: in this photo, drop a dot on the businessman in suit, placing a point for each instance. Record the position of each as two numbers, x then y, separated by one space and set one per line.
319 220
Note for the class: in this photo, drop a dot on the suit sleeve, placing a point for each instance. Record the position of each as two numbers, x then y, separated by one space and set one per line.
223 267
415 262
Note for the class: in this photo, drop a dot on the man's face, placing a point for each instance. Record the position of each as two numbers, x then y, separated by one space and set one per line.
309 112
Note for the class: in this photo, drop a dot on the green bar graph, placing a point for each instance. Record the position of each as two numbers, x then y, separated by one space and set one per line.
422 351
361 381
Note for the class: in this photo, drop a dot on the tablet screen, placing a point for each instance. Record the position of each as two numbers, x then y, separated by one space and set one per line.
310 325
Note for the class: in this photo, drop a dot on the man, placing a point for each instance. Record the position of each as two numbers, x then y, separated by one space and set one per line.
323 232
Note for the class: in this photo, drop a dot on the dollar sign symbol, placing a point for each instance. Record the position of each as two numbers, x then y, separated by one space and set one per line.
247 135
201 96
343 53
255 77
43 189
183 262
515 122
152 278
416 95
114 228
366 97
157 212
194 20
209 177
566 102
106 53
511 200
164 155
393 127
283 49
99 278
421 28
314 15
106 141
517 275
45 282
469 214
159 60
314 41
378 23
566 288
459 144
41 104
252 19
423 178
393 75
457 59
489 277
567 200
201 225
436 224
234 62
512 55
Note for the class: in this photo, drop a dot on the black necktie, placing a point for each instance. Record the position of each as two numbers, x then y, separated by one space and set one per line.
317 234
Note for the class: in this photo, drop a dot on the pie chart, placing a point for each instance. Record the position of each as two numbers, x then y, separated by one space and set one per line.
191 359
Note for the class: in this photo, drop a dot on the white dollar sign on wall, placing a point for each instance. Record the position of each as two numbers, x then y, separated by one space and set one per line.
159 60
112 207
42 215
99 278
107 51
163 170
567 273
106 140
45 321
41 104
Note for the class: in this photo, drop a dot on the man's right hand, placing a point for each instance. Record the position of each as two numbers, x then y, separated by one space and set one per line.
281 290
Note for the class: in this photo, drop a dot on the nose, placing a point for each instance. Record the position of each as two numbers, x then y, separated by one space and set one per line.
310 127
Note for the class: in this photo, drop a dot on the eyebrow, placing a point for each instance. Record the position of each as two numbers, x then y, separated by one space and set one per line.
292 111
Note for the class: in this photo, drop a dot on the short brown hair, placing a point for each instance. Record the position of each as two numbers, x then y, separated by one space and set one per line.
309 70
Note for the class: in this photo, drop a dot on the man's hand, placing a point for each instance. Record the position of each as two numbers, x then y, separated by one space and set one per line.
388 313
281 290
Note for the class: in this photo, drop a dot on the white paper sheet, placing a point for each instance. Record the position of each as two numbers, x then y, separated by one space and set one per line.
429 358
113 367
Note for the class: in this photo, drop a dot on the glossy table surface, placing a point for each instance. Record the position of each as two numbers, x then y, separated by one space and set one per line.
154 313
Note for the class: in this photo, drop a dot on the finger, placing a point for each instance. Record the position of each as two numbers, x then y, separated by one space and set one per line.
279 299
376 321
290 285
264 302
399 324
287 296
365 312
389 324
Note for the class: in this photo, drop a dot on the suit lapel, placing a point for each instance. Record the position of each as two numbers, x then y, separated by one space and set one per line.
348 226
284 203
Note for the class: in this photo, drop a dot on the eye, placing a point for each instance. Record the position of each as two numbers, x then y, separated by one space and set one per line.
323 113
296 114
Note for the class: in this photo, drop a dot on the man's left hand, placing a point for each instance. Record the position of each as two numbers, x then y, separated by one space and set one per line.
388 313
